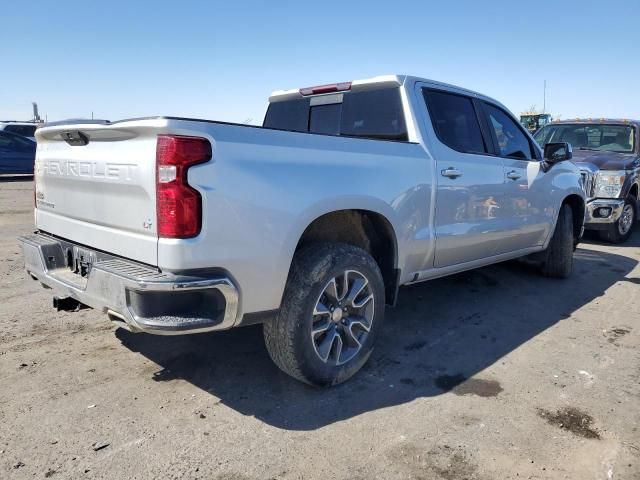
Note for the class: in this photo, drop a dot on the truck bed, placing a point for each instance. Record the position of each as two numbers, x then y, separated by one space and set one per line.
262 185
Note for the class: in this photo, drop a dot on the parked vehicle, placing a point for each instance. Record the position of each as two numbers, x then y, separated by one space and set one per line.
308 224
608 154
24 129
534 121
17 154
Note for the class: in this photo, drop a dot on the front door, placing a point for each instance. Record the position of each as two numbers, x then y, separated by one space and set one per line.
525 214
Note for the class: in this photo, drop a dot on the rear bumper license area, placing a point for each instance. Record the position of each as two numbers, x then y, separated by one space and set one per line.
137 297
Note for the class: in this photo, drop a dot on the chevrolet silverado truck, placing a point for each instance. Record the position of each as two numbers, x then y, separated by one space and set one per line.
608 154
308 224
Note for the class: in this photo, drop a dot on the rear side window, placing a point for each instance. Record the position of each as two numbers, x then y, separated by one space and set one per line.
510 140
291 115
24 130
455 122
374 114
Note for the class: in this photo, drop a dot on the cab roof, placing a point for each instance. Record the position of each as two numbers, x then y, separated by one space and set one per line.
614 121
366 84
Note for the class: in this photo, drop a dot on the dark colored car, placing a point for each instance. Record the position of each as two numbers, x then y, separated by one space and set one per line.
608 155
24 129
17 153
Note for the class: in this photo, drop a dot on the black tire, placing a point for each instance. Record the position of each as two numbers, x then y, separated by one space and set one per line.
619 232
559 254
288 336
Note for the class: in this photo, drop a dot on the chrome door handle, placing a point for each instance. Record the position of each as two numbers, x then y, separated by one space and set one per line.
451 172
513 175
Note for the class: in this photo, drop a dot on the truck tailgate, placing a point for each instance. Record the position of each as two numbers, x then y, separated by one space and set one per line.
95 185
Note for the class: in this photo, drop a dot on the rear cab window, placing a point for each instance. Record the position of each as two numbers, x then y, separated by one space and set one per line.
325 119
292 115
373 114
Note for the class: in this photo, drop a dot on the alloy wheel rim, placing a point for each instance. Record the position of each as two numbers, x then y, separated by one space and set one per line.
626 220
342 318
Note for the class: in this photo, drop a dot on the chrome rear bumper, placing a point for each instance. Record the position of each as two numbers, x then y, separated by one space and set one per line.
137 297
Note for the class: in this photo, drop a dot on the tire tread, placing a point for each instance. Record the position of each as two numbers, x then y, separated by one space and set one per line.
559 261
280 332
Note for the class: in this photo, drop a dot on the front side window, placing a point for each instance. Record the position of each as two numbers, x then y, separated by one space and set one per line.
601 137
454 120
510 139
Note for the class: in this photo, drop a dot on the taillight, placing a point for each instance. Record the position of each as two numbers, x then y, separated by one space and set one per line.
178 206
332 87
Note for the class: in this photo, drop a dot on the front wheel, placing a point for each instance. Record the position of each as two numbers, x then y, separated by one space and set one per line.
558 262
332 308
620 231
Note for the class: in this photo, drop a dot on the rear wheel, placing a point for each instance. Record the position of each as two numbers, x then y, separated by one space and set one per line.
620 231
558 262
332 308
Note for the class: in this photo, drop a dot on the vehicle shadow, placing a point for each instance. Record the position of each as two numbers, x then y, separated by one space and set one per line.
441 333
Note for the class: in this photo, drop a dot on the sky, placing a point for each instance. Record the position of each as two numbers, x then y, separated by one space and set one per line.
220 60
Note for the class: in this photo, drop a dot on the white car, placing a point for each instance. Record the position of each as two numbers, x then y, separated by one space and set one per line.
24 129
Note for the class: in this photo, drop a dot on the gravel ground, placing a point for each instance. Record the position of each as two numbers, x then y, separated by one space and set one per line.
493 374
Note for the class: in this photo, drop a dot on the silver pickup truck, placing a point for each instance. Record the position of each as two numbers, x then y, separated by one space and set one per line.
308 224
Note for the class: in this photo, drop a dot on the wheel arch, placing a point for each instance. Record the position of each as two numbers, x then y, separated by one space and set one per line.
367 229
577 204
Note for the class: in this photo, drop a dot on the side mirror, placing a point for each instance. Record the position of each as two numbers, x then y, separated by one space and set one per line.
557 152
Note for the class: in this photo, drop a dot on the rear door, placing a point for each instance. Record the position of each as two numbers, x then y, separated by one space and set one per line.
470 181
95 185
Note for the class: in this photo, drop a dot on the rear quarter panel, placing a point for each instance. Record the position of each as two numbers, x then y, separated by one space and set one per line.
264 187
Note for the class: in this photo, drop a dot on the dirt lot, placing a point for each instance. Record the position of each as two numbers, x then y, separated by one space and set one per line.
493 374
